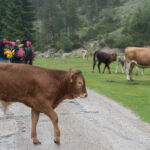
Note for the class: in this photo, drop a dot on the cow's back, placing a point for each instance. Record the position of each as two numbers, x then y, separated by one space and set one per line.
138 54
103 57
19 81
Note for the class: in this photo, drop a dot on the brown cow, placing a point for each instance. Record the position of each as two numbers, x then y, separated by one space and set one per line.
41 89
103 57
136 56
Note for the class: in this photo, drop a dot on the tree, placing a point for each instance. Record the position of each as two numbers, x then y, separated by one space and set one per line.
139 26
3 6
72 18
53 22
91 10
27 20
19 20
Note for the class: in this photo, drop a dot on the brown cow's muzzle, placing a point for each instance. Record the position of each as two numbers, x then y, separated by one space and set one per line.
83 95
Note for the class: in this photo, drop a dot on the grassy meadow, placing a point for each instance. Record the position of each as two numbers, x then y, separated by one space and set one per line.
134 95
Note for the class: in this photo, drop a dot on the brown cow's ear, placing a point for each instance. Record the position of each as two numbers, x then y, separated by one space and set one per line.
78 72
71 74
71 71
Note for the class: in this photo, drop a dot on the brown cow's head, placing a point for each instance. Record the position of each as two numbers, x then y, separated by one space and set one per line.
77 84
114 57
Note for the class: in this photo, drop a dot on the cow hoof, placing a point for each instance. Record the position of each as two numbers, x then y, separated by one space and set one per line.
57 141
36 142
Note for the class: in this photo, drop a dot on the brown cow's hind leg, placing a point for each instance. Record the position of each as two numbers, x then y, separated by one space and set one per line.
5 108
35 118
108 69
128 74
94 63
130 71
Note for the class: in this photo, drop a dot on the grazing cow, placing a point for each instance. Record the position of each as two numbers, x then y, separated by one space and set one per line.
136 56
85 54
103 57
121 60
41 89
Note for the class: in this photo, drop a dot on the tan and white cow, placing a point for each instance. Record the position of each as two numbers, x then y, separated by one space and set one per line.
85 54
138 56
120 60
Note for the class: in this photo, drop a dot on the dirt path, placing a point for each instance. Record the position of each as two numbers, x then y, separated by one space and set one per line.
94 123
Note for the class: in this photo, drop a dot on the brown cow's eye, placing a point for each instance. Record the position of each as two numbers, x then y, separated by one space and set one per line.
80 83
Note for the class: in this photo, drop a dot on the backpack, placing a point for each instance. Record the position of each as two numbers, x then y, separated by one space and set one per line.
20 53
5 51
8 53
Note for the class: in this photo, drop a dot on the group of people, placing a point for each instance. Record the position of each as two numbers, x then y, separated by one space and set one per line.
16 52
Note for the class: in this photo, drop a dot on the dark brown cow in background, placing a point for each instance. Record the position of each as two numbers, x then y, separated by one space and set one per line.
105 58
41 89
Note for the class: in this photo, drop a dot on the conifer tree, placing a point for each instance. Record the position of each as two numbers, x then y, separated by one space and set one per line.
28 17
3 6
53 22
19 20
72 19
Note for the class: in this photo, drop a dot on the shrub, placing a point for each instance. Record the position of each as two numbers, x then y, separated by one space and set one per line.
65 44
88 33
116 39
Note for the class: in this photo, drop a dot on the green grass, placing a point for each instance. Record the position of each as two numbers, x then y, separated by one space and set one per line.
135 96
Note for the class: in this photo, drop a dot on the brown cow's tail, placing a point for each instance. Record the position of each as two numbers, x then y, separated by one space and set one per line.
94 59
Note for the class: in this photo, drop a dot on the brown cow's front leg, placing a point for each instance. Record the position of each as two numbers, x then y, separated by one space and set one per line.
54 118
99 67
35 118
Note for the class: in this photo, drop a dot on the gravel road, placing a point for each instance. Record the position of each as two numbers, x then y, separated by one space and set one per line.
94 123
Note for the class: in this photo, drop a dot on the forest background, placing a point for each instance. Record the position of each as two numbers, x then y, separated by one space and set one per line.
68 24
